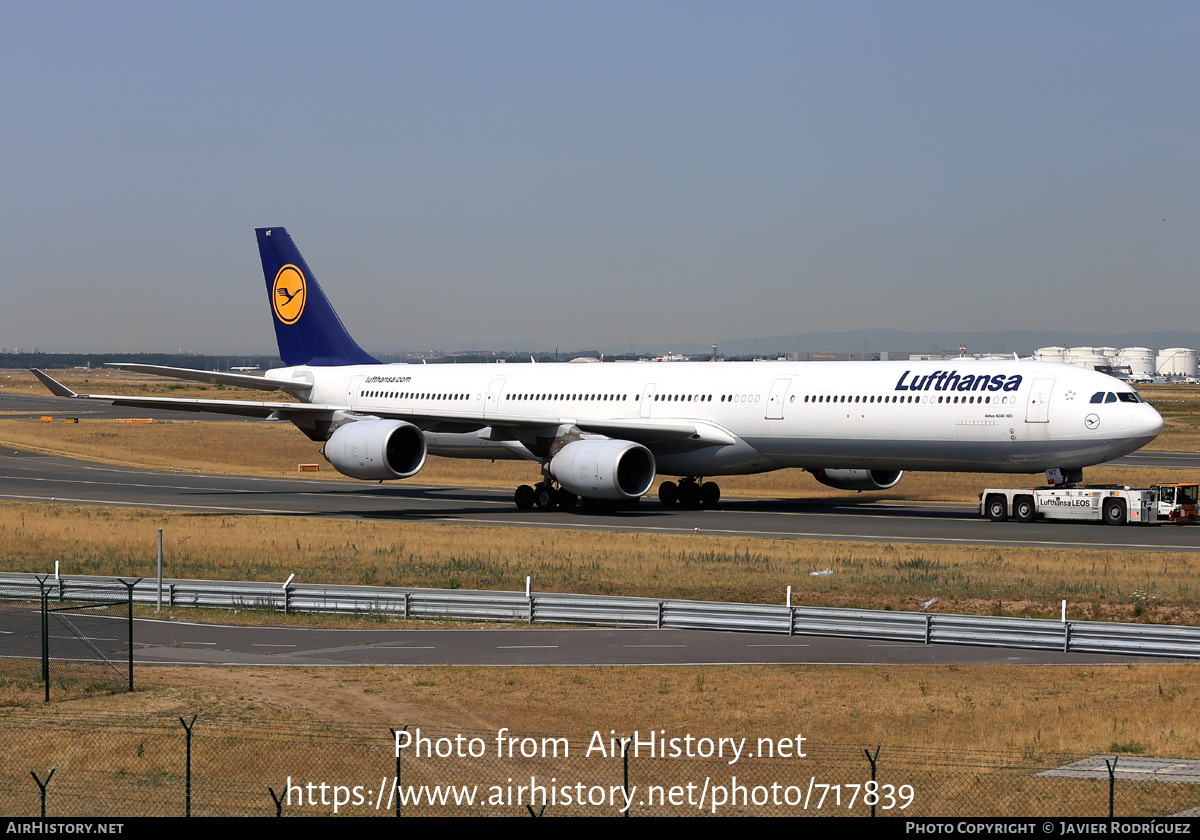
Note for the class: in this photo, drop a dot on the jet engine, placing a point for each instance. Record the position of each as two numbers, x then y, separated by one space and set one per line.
858 479
604 469
375 450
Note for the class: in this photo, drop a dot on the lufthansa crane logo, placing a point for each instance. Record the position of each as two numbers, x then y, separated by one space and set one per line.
287 294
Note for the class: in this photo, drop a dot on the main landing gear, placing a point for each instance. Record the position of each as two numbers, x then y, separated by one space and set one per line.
690 492
545 496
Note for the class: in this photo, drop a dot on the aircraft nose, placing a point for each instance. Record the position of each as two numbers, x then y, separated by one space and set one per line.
1147 423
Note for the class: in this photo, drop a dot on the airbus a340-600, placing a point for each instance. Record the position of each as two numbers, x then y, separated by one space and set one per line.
603 431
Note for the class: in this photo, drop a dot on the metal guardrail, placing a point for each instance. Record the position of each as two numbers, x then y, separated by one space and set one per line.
557 608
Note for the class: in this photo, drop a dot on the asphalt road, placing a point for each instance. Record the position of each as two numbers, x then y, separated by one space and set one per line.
161 642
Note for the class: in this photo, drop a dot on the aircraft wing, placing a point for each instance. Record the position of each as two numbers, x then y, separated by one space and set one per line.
237 380
243 408
676 434
650 432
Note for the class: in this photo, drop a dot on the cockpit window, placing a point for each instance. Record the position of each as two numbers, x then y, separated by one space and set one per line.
1128 396
1111 397
1098 397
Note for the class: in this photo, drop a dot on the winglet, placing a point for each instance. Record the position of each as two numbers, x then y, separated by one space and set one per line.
56 388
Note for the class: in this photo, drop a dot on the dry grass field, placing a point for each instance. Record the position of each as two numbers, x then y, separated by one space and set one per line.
969 741
1146 708
1100 584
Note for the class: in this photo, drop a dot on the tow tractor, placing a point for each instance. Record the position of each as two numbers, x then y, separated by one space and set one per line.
1109 503
1183 496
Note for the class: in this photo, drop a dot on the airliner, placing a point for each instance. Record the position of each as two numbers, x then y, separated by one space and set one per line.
602 431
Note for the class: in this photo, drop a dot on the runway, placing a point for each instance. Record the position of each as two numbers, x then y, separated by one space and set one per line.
30 477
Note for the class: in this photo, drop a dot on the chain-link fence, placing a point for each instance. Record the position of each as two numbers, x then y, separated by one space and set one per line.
124 765
59 647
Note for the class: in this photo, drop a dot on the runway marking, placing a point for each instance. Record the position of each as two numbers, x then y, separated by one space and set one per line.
256 644
653 646
150 505
523 647
405 647
783 646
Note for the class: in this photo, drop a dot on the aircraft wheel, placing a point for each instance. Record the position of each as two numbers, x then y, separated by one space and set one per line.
546 498
668 493
1024 509
524 497
1114 512
710 494
997 508
566 499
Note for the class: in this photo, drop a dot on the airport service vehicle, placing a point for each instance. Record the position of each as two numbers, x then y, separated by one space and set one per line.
604 431
1181 496
1112 505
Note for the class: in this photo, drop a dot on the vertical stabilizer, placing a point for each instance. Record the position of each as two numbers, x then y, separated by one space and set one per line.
308 330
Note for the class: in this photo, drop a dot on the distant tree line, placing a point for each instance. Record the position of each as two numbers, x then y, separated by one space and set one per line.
48 361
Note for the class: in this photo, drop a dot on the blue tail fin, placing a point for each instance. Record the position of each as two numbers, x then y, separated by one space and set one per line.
308 330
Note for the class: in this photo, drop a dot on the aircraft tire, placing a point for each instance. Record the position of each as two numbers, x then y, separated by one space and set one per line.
1024 510
997 508
546 498
1114 512
524 497
567 499
710 494
668 493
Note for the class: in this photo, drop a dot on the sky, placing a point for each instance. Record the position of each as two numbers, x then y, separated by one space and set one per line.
596 175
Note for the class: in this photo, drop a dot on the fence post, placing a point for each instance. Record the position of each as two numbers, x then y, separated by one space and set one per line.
42 786
625 763
873 759
396 740
1112 782
188 776
45 637
129 586
158 602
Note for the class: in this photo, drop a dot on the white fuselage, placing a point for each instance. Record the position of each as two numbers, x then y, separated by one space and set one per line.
960 415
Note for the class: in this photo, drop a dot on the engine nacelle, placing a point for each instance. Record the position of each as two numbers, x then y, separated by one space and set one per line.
604 469
858 479
375 450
